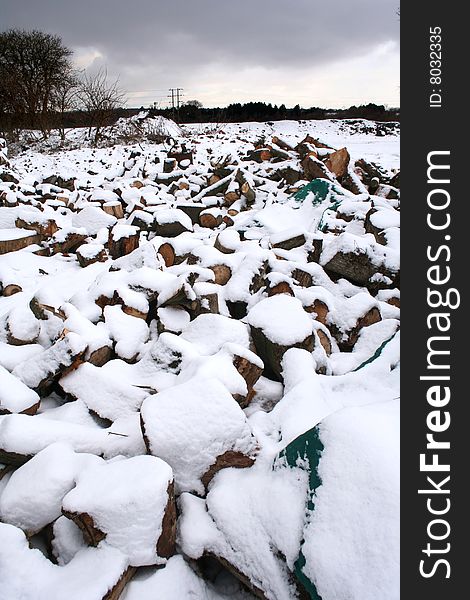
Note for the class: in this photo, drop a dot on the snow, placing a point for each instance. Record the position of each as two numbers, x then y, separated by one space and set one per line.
282 319
135 367
33 496
67 540
347 242
33 371
359 467
32 577
129 333
126 500
190 425
15 396
249 518
102 393
23 325
15 234
92 219
90 250
173 318
11 356
208 333
120 231
177 580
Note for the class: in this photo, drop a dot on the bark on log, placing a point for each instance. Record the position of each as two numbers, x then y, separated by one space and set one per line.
124 245
230 458
250 373
18 243
315 169
291 242
272 353
44 229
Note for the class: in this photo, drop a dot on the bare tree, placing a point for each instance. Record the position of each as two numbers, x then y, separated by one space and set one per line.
33 65
66 99
100 98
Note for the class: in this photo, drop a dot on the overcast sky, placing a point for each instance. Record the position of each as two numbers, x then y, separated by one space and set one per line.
311 52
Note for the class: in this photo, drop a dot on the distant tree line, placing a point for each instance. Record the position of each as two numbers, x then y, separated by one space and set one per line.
261 111
234 113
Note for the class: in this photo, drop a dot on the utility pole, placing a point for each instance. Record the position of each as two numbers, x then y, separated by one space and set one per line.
175 95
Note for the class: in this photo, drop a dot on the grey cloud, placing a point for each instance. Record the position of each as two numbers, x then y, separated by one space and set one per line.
152 41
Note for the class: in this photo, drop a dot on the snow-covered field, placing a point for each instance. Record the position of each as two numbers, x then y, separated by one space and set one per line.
199 364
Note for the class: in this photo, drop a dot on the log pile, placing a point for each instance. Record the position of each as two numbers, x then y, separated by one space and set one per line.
148 315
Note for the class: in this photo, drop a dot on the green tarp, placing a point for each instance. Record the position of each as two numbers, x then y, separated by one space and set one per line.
319 191
305 452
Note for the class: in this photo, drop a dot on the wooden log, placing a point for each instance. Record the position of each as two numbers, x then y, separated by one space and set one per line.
10 290
290 242
101 356
282 144
359 268
17 239
71 242
338 162
91 253
168 254
182 297
290 175
237 308
230 458
315 169
314 254
114 208
394 301
44 229
209 557
250 372
370 171
377 232
221 248
306 149
210 220
43 370
278 153
259 155
324 341
231 196
121 244
222 162
315 142
213 179
181 156
302 277
169 165
272 353
321 310
93 535
116 591
246 185
205 303
193 210
281 288
347 340
222 273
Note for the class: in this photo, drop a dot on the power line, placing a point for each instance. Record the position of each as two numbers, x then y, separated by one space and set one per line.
175 100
